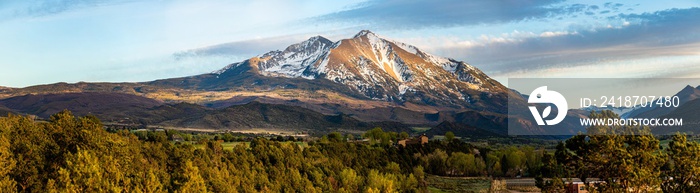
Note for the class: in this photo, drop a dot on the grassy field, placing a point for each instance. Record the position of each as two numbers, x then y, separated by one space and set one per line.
419 129
442 137
231 145
458 184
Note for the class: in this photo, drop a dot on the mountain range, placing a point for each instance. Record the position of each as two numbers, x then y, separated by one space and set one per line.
685 95
688 104
364 67
687 111
365 81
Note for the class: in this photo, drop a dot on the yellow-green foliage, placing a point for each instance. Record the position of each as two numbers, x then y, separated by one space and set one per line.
75 154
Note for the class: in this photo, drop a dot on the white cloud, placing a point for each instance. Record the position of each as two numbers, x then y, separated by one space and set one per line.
548 34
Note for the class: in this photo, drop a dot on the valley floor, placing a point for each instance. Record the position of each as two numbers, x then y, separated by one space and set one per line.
480 184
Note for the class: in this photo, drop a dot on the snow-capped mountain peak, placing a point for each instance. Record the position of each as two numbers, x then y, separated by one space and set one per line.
375 67
295 59
364 33
382 45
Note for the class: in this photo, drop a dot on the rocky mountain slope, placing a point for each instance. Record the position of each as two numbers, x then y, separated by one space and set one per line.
107 104
137 111
365 66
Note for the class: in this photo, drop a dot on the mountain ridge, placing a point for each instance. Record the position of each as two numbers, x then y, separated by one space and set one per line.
685 95
365 66
365 77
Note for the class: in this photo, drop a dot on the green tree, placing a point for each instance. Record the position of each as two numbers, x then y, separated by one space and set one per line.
324 139
479 166
152 183
460 163
349 180
227 137
157 136
193 181
403 135
449 136
85 173
552 170
349 137
420 177
551 185
380 182
7 163
493 164
513 162
684 175
437 162
335 137
32 143
378 134
627 158
392 167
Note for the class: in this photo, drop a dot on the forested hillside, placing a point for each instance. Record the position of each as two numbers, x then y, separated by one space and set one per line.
77 154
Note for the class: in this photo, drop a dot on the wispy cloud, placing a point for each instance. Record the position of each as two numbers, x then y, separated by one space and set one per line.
242 49
446 13
674 26
38 8
257 46
663 33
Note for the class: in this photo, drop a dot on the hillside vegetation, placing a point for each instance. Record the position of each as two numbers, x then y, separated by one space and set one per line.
76 154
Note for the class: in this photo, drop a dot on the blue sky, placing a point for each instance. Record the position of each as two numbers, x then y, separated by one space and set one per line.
48 41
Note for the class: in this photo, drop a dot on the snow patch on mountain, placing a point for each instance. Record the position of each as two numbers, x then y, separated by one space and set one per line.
385 56
405 88
295 59
408 48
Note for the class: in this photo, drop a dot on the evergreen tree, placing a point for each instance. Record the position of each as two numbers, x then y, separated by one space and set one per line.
627 158
684 175
7 163
193 181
